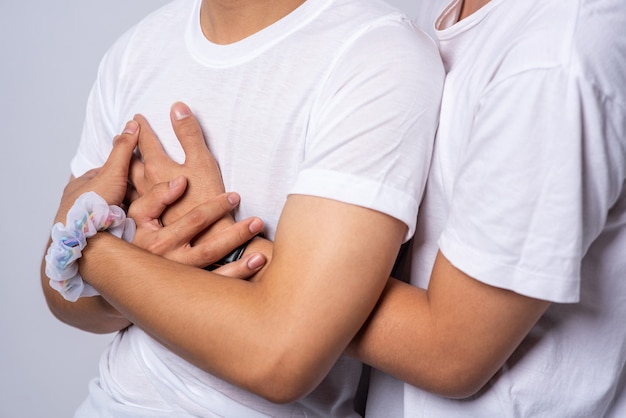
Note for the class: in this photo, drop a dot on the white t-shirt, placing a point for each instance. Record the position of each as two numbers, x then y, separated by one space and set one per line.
526 193
339 99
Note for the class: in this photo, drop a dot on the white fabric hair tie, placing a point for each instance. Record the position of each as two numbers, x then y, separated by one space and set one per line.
89 215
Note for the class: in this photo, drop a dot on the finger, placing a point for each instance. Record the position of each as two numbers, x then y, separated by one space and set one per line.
201 217
244 268
152 204
219 244
130 196
149 145
122 152
136 175
189 133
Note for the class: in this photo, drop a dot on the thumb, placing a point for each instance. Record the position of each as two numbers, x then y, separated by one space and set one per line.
123 147
189 133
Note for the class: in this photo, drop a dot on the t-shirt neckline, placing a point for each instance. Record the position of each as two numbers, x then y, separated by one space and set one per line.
217 55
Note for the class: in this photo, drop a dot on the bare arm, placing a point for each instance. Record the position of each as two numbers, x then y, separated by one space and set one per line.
248 332
94 314
450 339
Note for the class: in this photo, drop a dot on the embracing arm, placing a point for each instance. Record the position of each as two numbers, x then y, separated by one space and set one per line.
450 339
277 336
94 314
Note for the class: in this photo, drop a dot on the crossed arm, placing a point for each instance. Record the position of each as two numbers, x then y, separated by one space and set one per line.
277 335
449 339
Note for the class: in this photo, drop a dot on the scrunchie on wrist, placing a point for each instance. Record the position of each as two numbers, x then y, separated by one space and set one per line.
89 215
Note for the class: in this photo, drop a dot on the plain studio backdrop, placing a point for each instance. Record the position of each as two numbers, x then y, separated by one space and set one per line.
49 53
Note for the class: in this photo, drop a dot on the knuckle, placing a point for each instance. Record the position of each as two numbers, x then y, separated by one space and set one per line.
151 171
133 210
190 129
124 140
156 247
208 254
196 217
217 207
243 232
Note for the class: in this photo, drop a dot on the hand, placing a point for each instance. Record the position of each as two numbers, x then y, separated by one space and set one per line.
109 181
174 241
200 167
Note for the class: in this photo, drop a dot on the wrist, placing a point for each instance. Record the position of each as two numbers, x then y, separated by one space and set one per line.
61 214
89 215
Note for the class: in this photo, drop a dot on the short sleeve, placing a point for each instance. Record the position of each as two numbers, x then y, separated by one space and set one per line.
371 134
520 202
101 125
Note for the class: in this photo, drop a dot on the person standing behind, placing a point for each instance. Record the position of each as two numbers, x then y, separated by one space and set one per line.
523 224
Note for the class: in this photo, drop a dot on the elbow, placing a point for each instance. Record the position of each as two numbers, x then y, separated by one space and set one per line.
284 378
454 380
91 315
461 387
281 393
282 386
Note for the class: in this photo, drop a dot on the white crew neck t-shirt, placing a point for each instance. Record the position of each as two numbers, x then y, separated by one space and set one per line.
339 99
526 193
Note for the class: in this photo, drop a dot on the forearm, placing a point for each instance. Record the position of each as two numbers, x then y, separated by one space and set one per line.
276 336
450 339
403 342
228 327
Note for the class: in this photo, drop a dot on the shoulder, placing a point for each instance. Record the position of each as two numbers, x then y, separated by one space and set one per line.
600 47
380 39
156 26
376 18
580 38
163 28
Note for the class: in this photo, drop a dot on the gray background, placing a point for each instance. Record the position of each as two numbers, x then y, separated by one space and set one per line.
49 52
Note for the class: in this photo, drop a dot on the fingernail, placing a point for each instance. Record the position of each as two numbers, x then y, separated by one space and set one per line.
181 111
256 226
233 199
256 261
131 127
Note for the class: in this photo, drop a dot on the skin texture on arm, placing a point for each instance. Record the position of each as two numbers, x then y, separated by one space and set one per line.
450 339
279 335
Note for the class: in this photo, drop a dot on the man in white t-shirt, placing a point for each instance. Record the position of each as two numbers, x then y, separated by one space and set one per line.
521 235
322 115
